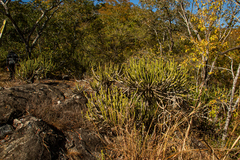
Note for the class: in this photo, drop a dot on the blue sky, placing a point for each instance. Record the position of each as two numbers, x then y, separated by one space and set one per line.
134 1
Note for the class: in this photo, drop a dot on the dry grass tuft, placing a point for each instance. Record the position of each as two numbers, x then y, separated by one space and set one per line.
177 141
63 116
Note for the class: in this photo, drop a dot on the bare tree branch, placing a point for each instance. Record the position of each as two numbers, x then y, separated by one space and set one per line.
237 2
42 28
29 46
5 6
231 49
231 106
7 13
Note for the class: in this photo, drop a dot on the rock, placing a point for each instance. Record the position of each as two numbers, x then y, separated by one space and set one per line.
35 140
5 130
14 101
83 144
38 140
65 115
46 122
17 124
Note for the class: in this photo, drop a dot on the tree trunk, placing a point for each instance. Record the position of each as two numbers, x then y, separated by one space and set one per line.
231 106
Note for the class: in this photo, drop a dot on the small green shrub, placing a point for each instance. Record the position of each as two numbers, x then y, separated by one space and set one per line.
31 68
149 80
112 107
155 79
3 57
105 75
116 109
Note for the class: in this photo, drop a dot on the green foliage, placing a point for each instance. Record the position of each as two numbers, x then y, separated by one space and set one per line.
214 99
35 68
116 109
110 106
3 57
156 79
121 32
76 39
105 75
27 68
145 81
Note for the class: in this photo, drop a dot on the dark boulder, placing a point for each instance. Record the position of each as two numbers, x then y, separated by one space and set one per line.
14 101
83 144
46 122
5 130
34 140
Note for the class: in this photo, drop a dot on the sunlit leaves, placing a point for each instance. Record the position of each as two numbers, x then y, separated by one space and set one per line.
46 4
209 25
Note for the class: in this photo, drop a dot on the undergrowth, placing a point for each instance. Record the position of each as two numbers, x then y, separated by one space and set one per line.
153 111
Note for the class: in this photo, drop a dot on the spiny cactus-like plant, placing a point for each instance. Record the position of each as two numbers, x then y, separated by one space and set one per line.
38 67
105 75
155 79
112 107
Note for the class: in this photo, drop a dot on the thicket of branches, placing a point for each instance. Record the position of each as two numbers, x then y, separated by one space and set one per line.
177 64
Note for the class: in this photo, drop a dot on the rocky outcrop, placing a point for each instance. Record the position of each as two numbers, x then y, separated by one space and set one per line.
34 139
83 144
14 101
5 130
46 121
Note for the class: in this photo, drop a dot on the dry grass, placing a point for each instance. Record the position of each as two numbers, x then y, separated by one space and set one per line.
63 117
178 141
180 137
5 81
173 144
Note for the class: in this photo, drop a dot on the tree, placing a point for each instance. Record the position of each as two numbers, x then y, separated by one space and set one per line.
69 35
46 10
208 27
237 3
122 31
167 16
209 24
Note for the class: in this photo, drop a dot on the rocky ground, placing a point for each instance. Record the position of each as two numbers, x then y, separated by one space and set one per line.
45 120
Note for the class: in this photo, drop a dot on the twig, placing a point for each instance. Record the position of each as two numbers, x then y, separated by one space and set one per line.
212 150
231 147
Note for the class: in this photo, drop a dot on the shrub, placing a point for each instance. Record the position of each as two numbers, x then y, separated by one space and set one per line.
105 75
149 80
3 57
156 79
34 68
111 107
146 124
